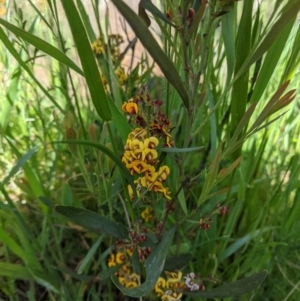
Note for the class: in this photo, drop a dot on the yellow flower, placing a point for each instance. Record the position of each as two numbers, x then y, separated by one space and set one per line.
129 251
119 72
98 47
166 192
173 278
163 173
171 296
111 261
143 151
129 280
120 257
138 133
161 283
130 192
147 215
130 107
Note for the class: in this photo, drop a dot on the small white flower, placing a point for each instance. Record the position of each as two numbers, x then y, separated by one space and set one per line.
189 281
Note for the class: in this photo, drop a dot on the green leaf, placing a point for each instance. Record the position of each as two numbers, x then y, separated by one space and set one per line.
33 181
289 12
143 15
182 201
181 150
270 63
88 257
12 91
22 161
233 289
228 33
177 262
41 45
158 55
269 106
9 46
154 266
15 247
88 61
119 120
92 221
241 242
211 177
14 271
148 5
108 272
198 17
239 95
86 21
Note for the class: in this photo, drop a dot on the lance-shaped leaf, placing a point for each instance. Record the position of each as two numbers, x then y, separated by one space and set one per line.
154 266
92 221
41 45
158 55
148 5
119 120
88 62
225 172
181 150
211 177
233 289
143 15
197 18
288 14
269 106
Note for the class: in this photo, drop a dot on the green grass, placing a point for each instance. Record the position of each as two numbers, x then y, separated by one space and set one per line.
229 85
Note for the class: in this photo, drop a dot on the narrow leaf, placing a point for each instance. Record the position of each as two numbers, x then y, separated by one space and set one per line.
42 45
21 162
269 64
267 109
243 122
119 120
14 271
88 61
148 5
288 14
92 221
88 257
177 262
227 171
234 289
228 33
198 17
143 15
181 150
149 42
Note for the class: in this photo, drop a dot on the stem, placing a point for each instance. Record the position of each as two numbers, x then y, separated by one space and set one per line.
171 203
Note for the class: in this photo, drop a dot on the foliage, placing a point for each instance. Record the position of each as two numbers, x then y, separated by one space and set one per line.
120 181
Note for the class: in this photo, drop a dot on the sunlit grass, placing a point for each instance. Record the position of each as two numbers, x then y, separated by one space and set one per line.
43 253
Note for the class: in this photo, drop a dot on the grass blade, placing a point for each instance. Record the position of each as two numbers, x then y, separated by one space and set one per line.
88 62
42 45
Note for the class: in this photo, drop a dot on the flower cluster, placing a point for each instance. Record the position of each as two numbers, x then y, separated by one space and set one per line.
170 288
99 47
125 275
140 153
